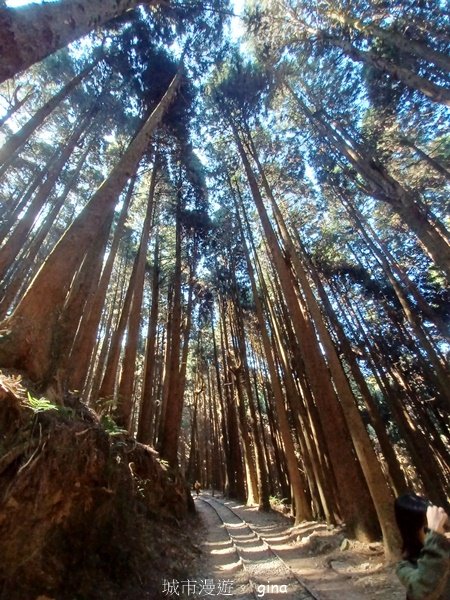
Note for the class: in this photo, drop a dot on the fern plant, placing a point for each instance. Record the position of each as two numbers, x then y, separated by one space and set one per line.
39 405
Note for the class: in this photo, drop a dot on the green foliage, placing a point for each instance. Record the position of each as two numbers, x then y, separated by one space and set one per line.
110 426
42 405
39 405
239 87
278 503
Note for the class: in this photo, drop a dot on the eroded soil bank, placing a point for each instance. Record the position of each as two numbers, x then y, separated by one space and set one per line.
84 512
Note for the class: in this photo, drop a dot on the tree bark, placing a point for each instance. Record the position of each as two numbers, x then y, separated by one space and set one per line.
84 344
172 418
30 33
434 92
125 391
146 416
408 45
16 106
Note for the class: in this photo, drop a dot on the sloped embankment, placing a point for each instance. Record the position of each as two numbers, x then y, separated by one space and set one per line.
83 513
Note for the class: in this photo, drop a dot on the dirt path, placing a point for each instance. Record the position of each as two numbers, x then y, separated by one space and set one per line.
310 551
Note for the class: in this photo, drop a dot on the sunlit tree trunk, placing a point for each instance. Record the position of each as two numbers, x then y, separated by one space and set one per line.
434 92
322 478
16 106
395 392
22 276
217 459
236 477
187 325
247 411
10 217
97 365
264 502
396 475
229 474
361 512
433 162
108 385
391 266
247 450
302 509
170 430
406 44
193 470
381 495
268 467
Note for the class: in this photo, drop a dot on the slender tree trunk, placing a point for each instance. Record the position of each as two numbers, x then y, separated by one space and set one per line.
223 422
108 385
322 478
187 322
284 332
263 491
192 471
83 286
434 92
249 460
125 391
406 44
12 247
172 419
11 217
146 417
389 264
262 428
97 365
302 509
394 391
376 482
166 363
16 106
433 162
396 475
236 484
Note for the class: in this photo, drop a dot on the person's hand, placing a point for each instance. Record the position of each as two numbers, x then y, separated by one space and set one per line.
436 518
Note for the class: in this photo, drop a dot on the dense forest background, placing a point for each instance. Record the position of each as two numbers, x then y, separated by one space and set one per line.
236 250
